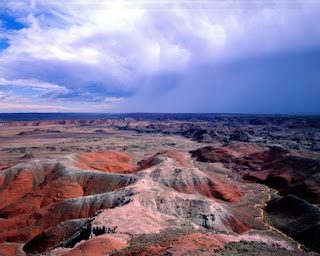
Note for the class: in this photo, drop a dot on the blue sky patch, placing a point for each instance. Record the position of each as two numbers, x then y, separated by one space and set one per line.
4 44
10 23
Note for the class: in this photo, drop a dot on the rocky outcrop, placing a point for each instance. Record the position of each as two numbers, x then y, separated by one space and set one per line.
48 182
201 243
225 154
287 171
37 132
96 246
178 158
88 122
104 202
296 218
106 161
9 249
53 236
191 181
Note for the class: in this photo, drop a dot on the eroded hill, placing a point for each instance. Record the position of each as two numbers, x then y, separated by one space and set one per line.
98 203
218 185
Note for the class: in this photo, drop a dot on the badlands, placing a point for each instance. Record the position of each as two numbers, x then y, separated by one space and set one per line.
160 184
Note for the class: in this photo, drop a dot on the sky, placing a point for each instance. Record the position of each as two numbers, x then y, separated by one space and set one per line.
210 56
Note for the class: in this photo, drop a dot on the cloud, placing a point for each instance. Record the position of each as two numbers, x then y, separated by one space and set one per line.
114 100
9 107
7 97
29 83
89 51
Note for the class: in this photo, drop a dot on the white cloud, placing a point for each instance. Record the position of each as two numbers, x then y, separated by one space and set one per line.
114 99
7 97
104 48
4 107
29 83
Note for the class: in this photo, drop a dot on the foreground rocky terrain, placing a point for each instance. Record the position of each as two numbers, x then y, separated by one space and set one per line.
145 187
